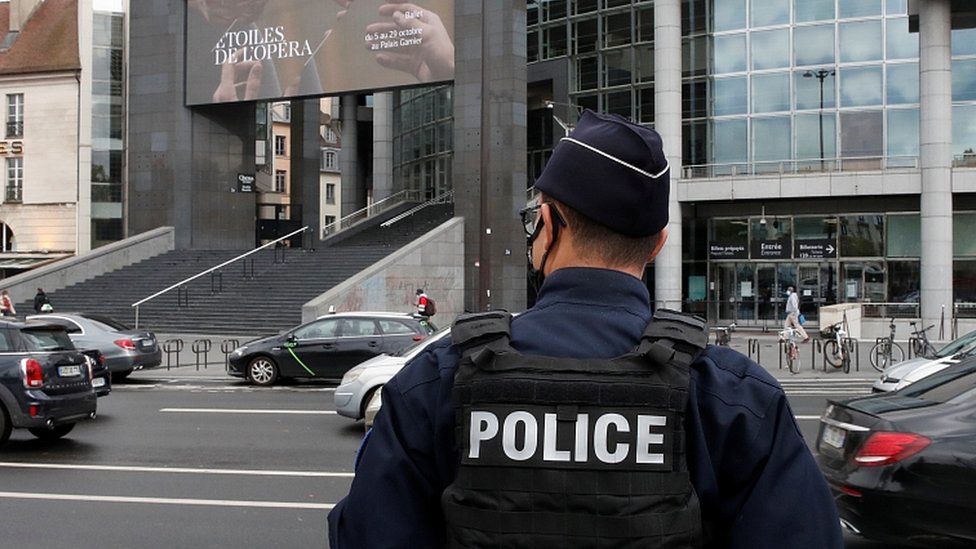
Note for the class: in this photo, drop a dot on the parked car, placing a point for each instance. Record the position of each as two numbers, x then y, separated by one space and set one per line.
906 372
362 382
125 349
45 383
902 465
326 347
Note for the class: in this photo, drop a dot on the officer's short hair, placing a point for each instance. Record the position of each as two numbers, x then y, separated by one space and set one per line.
594 239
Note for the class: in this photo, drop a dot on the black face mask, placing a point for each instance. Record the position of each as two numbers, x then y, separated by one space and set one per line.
538 276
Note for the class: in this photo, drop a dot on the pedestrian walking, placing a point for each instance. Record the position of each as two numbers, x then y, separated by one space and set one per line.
583 422
42 304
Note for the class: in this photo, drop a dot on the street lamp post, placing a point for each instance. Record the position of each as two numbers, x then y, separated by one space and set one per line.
820 75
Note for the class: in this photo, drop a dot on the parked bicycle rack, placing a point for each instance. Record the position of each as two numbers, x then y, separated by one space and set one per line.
227 347
753 346
854 347
171 347
201 347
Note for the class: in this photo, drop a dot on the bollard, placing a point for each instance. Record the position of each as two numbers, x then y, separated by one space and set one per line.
854 352
753 346
201 347
227 347
171 347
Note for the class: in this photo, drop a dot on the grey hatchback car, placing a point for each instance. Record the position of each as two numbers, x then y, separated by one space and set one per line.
124 349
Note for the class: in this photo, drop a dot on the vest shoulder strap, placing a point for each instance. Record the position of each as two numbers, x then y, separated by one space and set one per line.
473 332
674 336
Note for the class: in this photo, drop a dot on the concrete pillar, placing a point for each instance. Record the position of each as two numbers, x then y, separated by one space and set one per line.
489 150
382 145
349 155
935 113
667 121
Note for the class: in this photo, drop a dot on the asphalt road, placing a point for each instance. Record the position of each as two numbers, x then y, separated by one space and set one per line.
206 461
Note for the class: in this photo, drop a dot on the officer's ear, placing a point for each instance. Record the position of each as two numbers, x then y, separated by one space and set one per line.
662 237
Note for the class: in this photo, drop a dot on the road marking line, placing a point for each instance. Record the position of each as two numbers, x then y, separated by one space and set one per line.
168 501
246 411
187 470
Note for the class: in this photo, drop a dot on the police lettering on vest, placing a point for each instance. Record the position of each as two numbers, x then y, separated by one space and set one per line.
541 436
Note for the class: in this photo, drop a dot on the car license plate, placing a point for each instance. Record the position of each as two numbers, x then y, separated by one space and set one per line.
834 436
98 382
69 371
146 343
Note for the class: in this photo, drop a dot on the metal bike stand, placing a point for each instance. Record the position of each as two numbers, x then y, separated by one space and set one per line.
171 347
753 346
227 347
854 349
201 347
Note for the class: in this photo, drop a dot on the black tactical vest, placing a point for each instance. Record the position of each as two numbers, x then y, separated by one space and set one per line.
567 453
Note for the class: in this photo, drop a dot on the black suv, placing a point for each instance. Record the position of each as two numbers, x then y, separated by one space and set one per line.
45 383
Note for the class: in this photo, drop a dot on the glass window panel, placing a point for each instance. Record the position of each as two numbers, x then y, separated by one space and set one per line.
554 41
771 92
695 140
964 80
963 275
815 228
728 15
584 6
729 141
645 63
860 86
616 30
899 43
808 89
807 129
617 67
862 235
814 45
694 53
860 135
730 53
770 12
813 10
532 14
646 106
645 24
694 99
532 46
553 9
962 224
902 84
903 277
585 34
693 18
903 135
586 73
591 102
620 103
770 49
896 7
615 3
964 42
905 235
858 8
730 96
860 41
964 133
771 140
732 231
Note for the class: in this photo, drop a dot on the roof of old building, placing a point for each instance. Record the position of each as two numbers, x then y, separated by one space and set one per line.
48 41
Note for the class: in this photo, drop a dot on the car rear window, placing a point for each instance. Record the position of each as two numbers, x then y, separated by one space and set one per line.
394 327
46 339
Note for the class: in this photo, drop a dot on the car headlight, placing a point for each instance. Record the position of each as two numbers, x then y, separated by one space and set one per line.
239 351
353 374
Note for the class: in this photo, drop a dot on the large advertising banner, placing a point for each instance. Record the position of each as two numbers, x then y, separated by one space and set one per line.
247 50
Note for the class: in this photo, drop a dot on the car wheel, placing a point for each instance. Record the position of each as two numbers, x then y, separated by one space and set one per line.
5 425
57 432
364 403
120 376
262 371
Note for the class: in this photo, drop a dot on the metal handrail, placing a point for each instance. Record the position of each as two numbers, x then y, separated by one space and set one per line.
375 208
439 199
799 166
212 269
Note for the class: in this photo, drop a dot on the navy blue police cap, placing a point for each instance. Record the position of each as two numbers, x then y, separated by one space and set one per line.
613 172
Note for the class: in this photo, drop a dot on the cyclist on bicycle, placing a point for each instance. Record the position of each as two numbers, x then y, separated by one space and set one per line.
793 314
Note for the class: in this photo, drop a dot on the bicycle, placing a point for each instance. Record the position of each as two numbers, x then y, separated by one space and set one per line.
791 349
835 349
723 335
920 344
886 352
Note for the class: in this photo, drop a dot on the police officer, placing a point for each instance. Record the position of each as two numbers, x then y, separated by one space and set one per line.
601 218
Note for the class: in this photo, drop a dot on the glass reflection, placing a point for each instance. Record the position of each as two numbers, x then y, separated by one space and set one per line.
770 12
813 10
964 80
903 132
729 14
730 140
964 42
900 43
860 41
807 130
902 83
729 96
770 142
814 45
858 8
860 86
771 92
964 134
770 49
808 89
730 53
860 135
862 235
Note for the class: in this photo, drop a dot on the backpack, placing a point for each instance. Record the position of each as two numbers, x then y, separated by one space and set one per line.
566 452
431 308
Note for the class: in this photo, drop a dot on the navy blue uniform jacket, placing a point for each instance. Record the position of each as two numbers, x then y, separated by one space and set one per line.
757 481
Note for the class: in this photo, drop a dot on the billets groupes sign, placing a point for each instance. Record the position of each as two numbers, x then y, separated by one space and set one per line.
727 250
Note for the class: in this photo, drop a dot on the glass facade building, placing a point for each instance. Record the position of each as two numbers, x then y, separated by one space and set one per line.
108 119
788 108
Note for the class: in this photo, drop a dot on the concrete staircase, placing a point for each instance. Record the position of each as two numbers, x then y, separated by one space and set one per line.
262 294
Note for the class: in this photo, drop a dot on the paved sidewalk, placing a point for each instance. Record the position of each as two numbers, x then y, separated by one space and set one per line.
763 347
